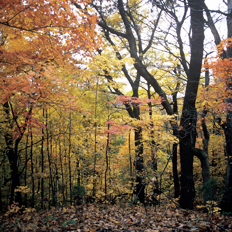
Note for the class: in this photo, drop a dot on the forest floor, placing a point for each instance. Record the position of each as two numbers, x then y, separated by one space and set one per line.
128 218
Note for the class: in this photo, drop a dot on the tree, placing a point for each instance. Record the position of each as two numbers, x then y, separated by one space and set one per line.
221 72
130 34
224 54
189 114
192 69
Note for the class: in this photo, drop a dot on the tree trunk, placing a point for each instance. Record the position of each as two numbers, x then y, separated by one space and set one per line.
187 183
139 166
25 173
62 173
95 141
12 154
130 161
50 166
189 114
203 155
42 166
107 156
153 145
32 175
69 157
175 145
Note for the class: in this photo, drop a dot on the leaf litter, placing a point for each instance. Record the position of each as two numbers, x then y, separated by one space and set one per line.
103 218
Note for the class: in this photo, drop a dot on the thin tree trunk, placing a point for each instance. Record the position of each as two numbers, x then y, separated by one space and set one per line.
78 172
42 165
95 142
139 166
153 145
175 133
130 161
69 158
107 158
62 173
32 175
65 169
37 170
25 173
50 166
175 171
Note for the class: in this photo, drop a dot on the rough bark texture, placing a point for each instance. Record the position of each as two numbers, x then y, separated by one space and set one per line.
189 115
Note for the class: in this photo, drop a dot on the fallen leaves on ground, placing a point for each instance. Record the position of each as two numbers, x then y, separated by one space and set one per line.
102 218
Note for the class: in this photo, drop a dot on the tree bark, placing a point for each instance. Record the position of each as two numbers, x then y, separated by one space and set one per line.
189 114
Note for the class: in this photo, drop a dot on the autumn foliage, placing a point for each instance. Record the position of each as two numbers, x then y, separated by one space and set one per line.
75 135
39 39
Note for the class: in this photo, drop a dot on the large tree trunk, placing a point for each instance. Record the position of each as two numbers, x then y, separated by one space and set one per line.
186 157
189 114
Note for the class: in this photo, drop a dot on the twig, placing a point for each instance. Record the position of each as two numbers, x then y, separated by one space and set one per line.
165 210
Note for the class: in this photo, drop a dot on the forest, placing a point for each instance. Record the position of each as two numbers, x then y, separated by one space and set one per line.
115 102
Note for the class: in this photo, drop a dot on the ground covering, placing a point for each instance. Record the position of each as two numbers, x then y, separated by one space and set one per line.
121 217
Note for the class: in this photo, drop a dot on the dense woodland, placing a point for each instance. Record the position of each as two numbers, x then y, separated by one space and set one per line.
108 101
